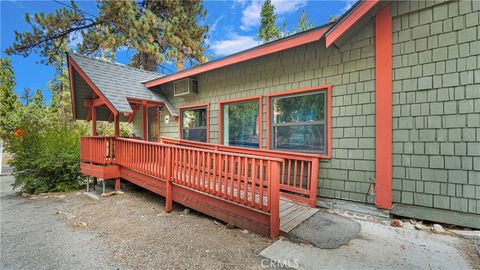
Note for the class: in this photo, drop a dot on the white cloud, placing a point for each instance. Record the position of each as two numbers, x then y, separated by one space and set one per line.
251 13
235 43
348 5
214 25
283 6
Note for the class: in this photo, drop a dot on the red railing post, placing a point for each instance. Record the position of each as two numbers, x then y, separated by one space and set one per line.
168 181
274 183
314 182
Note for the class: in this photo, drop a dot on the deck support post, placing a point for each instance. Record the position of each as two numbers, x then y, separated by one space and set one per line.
117 184
168 182
94 182
314 183
274 199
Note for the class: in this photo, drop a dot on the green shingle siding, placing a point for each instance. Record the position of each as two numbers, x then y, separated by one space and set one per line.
349 68
435 54
436 105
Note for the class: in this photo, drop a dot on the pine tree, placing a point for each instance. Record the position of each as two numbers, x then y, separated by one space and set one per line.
304 23
285 31
159 31
8 100
38 99
27 95
268 29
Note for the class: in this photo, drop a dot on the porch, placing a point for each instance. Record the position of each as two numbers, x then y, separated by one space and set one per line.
251 189
238 185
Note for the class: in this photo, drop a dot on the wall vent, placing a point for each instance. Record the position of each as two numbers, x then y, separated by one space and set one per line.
185 87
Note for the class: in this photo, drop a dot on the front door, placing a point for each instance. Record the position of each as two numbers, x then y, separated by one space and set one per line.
153 119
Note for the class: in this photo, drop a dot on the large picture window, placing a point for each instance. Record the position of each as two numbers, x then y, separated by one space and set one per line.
241 122
299 122
194 124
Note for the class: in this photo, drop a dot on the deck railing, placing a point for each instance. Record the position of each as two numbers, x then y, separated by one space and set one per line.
248 180
298 171
97 150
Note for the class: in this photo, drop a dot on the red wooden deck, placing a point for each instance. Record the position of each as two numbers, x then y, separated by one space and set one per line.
233 186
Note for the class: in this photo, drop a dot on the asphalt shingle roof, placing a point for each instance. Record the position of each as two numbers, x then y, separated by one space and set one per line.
118 82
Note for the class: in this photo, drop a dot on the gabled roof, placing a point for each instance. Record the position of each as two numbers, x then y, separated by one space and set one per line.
332 32
278 45
118 82
350 18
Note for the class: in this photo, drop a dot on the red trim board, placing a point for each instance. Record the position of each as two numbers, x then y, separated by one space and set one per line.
349 21
207 105
328 88
92 85
72 95
260 115
282 45
383 105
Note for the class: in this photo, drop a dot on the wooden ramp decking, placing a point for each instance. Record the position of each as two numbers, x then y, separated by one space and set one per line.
292 214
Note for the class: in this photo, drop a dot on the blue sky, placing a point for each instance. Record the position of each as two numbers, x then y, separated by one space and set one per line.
233 27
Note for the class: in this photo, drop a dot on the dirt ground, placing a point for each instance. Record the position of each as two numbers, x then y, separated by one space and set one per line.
141 235
128 231
131 231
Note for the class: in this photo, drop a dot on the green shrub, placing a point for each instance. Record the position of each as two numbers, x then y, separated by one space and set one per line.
46 154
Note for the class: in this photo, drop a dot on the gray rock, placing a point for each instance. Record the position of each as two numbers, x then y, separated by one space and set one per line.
421 227
467 234
438 228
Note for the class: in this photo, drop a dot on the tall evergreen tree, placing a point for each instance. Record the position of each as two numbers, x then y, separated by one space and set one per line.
268 29
304 23
158 31
38 99
285 31
8 100
27 95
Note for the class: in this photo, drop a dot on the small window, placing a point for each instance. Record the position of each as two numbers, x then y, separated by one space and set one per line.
241 123
194 124
299 122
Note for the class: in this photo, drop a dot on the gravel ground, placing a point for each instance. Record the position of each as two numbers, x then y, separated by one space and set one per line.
33 237
128 231
135 227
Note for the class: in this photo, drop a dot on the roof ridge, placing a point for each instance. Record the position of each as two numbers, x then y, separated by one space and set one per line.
116 63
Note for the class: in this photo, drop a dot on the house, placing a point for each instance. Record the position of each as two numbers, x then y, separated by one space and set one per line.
380 107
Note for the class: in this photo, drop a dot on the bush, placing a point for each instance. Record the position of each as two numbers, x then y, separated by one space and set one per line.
46 154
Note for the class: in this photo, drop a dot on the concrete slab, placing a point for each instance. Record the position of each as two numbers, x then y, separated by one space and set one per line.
376 247
326 230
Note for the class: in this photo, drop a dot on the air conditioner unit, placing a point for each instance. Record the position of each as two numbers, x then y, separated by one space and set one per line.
185 87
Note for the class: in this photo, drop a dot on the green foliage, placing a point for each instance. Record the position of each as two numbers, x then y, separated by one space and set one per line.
45 153
159 31
38 99
242 122
268 29
8 100
304 23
